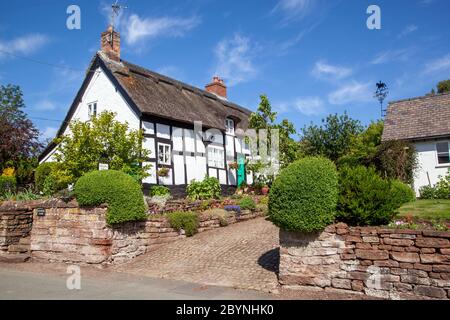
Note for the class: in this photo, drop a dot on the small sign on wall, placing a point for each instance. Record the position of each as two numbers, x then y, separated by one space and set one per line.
40 212
103 166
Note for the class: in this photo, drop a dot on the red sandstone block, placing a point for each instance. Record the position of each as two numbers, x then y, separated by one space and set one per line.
356 275
372 254
434 275
414 280
409 257
434 258
441 268
405 265
418 273
387 263
398 242
430 292
445 276
357 285
364 246
353 239
398 249
439 234
445 251
403 287
366 263
412 249
432 243
423 267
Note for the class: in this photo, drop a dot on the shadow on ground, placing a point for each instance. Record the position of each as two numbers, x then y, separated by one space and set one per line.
270 260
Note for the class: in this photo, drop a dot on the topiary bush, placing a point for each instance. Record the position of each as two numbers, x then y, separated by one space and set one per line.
402 193
159 191
188 221
8 184
42 172
247 203
365 198
304 196
120 191
209 188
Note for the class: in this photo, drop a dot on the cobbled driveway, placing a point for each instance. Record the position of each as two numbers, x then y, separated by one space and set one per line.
243 255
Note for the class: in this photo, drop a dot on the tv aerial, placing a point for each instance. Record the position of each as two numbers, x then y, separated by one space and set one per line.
115 11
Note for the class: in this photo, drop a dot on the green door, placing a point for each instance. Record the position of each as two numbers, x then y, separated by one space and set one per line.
241 170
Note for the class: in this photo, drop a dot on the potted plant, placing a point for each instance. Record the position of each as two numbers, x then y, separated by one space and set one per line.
163 172
265 190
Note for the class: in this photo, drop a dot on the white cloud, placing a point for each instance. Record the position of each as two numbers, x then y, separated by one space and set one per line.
45 105
310 106
235 60
438 65
323 70
295 9
24 45
408 30
393 55
352 92
138 29
49 133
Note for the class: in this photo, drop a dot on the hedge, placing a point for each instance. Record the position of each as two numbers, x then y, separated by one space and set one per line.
365 198
42 172
402 193
120 191
304 196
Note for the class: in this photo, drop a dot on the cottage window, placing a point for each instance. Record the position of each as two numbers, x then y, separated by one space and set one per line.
216 158
164 156
92 109
443 153
229 125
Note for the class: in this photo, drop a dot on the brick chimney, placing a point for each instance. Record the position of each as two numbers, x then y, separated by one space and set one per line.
217 87
110 44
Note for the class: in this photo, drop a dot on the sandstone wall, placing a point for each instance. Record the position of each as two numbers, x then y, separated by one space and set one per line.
68 233
385 263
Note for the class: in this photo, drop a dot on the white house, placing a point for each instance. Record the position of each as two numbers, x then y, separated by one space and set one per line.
166 109
424 121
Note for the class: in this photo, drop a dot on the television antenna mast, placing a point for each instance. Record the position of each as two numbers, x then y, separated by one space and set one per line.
381 94
115 11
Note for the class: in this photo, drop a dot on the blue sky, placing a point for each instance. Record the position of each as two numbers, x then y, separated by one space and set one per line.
311 57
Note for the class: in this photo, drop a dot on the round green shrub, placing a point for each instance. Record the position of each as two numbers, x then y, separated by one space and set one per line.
428 193
402 193
247 203
42 172
304 196
188 221
365 198
159 191
120 191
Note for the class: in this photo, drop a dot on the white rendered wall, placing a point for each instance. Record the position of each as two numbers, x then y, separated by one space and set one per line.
428 165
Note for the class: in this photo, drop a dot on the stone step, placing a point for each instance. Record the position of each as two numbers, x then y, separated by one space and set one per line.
14 257
18 248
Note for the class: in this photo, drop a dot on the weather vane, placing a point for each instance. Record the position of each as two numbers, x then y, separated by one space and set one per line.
116 7
381 94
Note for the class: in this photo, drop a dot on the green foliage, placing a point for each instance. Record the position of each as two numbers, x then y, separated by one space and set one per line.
265 118
220 214
120 191
397 160
364 146
365 198
440 191
304 196
247 203
105 140
188 221
402 193
25 195
428 193
42 172
209 188
264 200
443 86
7 184
159 191
333 139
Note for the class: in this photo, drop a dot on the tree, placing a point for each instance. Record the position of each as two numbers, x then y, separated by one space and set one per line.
364 146
443 86
333 139
265 118
103 139
18 136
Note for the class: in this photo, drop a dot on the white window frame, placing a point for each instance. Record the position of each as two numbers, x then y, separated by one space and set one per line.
438 153
217 158
167 161
229 126
92 109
